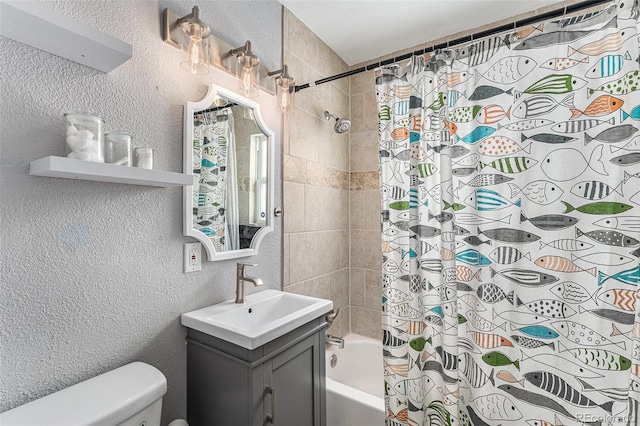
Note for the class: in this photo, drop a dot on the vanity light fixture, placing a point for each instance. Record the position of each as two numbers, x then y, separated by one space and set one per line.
249 66
198 32
286 87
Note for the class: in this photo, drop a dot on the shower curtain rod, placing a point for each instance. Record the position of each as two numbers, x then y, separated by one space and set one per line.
462 40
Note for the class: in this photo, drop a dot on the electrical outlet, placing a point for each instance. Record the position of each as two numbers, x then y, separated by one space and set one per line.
192 257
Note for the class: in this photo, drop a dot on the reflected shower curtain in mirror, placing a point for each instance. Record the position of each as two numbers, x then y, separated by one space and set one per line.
510 187
214 178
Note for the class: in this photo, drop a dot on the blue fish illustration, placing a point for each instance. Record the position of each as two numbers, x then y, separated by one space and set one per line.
608 66
438 311
414 137
207 163
487 200
539 331
630 276
412 254
473 257
477 134
635 114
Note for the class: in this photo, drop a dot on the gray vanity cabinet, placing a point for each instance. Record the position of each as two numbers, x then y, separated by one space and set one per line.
280 383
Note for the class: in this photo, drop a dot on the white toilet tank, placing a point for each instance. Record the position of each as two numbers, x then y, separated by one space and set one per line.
127 396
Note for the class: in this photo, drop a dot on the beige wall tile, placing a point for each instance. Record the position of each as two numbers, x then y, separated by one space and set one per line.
357 209
285 260
340 288
372 210
329 63
303 135
303 259
340 104
363 82
345 320
373 289
326 208
365 249
344 248
328 252
293 217
364 151
315 99
333 150
356 289
370 111
316 287
294 169
302 41
357 113
366 322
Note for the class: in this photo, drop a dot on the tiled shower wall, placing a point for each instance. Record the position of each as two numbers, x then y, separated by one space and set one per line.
331 186
366 257
316 175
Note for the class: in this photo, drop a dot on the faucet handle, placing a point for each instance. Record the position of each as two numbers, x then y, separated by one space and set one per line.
242 265
331 316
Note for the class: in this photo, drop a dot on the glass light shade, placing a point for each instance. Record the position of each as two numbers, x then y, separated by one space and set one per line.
249 70
197 63
286 88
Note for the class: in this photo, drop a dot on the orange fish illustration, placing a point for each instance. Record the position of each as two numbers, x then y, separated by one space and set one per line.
492 114
417 122
451 126
456 78
561 64
489 341
602 105
416 327
402 91
465 274
609 43
561 264
447 254
400 370
631 334
635 369
508 377
621 298
500 145
400 134
426 355
545 423
526 32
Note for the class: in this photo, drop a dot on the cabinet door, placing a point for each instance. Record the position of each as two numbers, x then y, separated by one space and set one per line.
296 379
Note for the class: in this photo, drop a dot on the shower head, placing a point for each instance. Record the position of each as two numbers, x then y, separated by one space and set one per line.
342 124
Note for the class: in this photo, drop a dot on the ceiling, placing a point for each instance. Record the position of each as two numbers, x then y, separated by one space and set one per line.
361 30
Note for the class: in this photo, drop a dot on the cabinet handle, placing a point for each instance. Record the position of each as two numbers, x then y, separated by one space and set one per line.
271 418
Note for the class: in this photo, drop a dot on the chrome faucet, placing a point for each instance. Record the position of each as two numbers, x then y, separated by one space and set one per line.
335 341
329 339
241 278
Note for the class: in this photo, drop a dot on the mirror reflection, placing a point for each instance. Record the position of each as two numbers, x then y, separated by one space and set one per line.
230 167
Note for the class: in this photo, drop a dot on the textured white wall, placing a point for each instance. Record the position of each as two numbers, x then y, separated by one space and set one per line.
91 273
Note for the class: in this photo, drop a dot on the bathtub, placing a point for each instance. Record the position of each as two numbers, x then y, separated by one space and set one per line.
355 386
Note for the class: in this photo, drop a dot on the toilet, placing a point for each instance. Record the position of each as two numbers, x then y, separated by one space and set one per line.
127 396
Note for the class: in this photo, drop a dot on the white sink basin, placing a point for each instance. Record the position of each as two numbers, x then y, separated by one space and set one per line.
264 316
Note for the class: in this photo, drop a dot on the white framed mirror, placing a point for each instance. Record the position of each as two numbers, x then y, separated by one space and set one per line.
229 150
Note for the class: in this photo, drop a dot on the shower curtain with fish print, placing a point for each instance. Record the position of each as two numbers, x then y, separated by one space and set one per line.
213 152
510 187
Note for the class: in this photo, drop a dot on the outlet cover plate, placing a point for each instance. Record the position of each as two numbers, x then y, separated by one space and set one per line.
192 257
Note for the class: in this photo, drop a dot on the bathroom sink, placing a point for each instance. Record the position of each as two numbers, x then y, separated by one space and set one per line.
264 316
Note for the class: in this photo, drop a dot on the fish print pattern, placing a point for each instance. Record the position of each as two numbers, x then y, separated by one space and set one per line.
510 173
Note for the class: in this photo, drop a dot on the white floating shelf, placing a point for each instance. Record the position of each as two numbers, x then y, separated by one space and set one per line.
69 168
38 26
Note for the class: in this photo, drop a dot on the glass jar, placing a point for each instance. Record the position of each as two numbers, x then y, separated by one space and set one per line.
117 148
84 136
143 157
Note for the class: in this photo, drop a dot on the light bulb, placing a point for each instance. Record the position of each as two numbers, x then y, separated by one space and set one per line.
247 81
196 63
285 99
249 76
